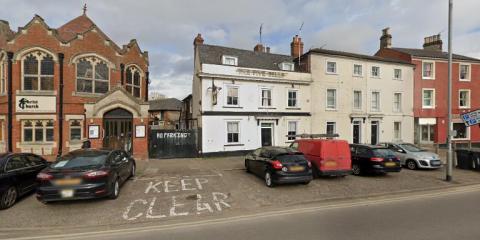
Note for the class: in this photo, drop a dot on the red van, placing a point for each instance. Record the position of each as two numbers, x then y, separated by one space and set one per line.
329 157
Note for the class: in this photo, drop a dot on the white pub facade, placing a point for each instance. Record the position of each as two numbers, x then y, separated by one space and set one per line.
246 99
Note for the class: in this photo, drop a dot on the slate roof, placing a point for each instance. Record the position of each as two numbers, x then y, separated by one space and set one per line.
356 55
76 26
211 54
432 54
172 104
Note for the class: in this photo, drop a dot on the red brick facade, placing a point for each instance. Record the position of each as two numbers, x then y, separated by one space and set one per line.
76 40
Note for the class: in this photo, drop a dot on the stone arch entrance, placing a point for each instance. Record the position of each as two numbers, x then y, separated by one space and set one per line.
118 129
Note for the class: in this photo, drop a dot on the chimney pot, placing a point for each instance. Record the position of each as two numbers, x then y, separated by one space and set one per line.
433 43
296 47
198 40
386 38
259 48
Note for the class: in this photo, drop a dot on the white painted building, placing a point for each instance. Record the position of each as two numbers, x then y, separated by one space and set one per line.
364 99
246 99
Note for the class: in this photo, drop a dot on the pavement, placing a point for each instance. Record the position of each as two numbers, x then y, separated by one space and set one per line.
183 190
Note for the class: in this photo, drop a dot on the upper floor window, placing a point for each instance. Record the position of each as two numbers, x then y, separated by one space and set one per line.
375 101
357 100
376 71
428 98
3 77
133 81
266 97
232 96
357 70
331 67
38 71
331 99
397 102
229 60
292 98
428 69
397 74
464 98
464 72
286 66
92 75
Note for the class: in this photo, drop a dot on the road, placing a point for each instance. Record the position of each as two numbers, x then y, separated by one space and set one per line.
454 215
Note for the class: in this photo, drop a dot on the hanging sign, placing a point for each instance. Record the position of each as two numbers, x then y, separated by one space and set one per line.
471 118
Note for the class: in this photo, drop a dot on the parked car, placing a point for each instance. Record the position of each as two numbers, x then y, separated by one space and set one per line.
414 157
329 157
373 159
278 165
18 172
85 174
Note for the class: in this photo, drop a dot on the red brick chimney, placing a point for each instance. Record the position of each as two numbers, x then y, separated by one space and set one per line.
259 48
433 43
198 40
386 39
296 46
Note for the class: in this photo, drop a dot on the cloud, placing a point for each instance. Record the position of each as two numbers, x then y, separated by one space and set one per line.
166 28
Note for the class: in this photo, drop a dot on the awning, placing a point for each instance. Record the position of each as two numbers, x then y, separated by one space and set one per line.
427 121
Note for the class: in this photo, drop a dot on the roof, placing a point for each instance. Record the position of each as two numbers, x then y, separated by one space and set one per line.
212 54
356 55
172 104
369 146
432 54
76 26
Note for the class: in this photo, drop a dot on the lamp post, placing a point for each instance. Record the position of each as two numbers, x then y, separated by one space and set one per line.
450 126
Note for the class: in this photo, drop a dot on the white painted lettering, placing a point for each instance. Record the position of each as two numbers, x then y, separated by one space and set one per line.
153 187
200 181
202 206
175 205
218 198
170 187
129 207
185 185
150 210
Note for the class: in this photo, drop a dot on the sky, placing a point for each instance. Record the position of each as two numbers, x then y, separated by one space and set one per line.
166 28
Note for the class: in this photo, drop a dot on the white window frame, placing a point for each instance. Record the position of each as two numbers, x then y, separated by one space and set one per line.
394 74
3 76
334 126
225 57
378 102
296 98
360 103
39 55
44 128
134 69
261 97
432 77
468 132
399 137
361 70
469 75
433 98
289 139
400 107
378 73
287 66
326 67
239 131
238 95
75 127
94 60
335 99
469 98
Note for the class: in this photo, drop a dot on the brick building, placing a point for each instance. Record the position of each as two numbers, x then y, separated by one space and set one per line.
165 113
59 87
431 88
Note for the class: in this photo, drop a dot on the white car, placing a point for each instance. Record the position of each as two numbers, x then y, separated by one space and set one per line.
414 157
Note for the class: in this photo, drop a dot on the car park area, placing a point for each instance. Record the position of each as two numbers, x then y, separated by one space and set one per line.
182 190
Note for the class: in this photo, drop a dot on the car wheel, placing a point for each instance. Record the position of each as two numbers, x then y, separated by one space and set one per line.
247 167
268 179
356 169
411 164
115 189
306 183
8 198
132 171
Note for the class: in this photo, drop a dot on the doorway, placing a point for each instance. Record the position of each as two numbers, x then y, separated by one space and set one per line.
117 125
356 131
266 134
374 133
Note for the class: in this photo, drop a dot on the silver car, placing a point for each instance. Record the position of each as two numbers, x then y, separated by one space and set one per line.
414 157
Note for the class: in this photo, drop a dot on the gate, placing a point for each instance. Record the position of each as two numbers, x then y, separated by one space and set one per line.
173 143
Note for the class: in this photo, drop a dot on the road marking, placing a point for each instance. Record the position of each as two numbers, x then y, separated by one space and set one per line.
177 177
382 200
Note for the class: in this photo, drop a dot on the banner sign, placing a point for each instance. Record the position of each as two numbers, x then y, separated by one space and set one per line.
471 118
36 104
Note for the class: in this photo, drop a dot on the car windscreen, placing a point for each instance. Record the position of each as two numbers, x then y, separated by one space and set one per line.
382 152
411 148
287 158
74 161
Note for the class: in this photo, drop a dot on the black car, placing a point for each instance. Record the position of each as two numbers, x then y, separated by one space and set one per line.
85 174
373 159
279 165
18 172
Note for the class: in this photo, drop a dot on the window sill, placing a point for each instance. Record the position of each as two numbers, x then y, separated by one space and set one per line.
76 142
425 78
27 144
397 79
267 108
428 107
464 80
331 109
232 107
234 145
331 73
357 76
466 107
293 108
374 77
35 93
79 94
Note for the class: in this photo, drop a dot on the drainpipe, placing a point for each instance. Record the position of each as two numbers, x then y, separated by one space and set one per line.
122 73
10 103
61 56
147 81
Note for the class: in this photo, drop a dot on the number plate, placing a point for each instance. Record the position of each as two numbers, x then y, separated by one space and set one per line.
68 181
297 168
390 164
66 193
330 164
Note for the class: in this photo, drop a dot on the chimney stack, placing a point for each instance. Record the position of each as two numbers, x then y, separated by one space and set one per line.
259 48
433 43
268 49
386 38
198 40
296 47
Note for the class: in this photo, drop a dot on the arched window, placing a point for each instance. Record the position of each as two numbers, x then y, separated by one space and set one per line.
38 71
133 82
92 75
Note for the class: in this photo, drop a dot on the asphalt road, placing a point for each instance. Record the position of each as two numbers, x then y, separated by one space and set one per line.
453 216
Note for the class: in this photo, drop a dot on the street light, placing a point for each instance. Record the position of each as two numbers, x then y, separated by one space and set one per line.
450 126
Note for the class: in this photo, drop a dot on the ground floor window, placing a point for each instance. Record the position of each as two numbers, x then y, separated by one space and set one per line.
397 130
75 130
427 133
37 131
233 132
462 131
292 130
331 127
